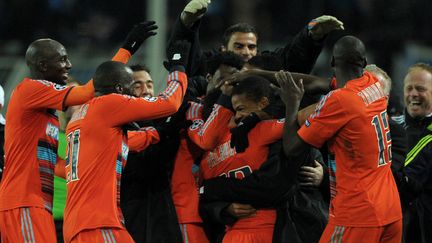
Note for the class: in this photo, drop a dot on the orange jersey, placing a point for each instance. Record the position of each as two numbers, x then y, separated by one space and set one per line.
224 161
140 140
354 121
217 121
184 188
98 149
31 140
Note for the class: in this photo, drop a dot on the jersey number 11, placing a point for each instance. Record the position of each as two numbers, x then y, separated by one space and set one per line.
73 144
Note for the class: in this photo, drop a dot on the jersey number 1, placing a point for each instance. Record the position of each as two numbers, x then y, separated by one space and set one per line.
73 141
383 136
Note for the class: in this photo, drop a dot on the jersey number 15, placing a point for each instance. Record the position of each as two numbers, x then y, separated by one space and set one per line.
381 125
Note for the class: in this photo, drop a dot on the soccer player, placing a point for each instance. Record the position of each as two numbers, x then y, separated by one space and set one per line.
353 121
251 95
31 137
142 81
183 183
98 148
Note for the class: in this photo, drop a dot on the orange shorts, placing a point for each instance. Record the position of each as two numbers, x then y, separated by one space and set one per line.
249 236
103 235
391 233
30 224
193 233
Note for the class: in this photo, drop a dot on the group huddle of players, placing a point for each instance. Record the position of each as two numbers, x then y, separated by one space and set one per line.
246 115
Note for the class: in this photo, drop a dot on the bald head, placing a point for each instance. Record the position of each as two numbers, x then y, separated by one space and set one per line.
349 50
47 59
42 49
112 77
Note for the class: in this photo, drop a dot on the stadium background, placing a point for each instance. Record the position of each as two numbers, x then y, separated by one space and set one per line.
397 33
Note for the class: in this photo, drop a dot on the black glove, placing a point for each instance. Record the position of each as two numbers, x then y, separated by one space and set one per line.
197 87
177 54
138 35
173 124
239 134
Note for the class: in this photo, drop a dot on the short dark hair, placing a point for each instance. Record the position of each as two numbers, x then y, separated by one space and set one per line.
253 87
227 58
240 27
140 67
350 51
110 73
266 61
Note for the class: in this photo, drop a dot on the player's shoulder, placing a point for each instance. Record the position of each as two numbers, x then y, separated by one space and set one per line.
332 97
269 125
113 98
30 83
347 97
72 126
270 122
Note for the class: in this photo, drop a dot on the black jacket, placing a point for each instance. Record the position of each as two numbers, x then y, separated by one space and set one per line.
399 145
414 127
274 185
146 199
298 55
415 187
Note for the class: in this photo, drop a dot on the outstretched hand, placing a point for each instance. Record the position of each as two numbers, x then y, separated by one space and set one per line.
138 35
193 11
291 91
321 26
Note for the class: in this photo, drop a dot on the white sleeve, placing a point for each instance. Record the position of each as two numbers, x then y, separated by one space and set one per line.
2 96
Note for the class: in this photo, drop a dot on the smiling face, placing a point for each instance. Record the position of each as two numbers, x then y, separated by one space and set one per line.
142 85
418 93
244 106
243 44
57 66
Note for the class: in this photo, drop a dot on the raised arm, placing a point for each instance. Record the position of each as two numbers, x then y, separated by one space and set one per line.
302 52
291 92
209 135
139 33
187 28
312 84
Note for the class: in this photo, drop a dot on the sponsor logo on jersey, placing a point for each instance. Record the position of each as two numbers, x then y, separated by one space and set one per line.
59 87
196 124
52 131
307 123
150 99
125 150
